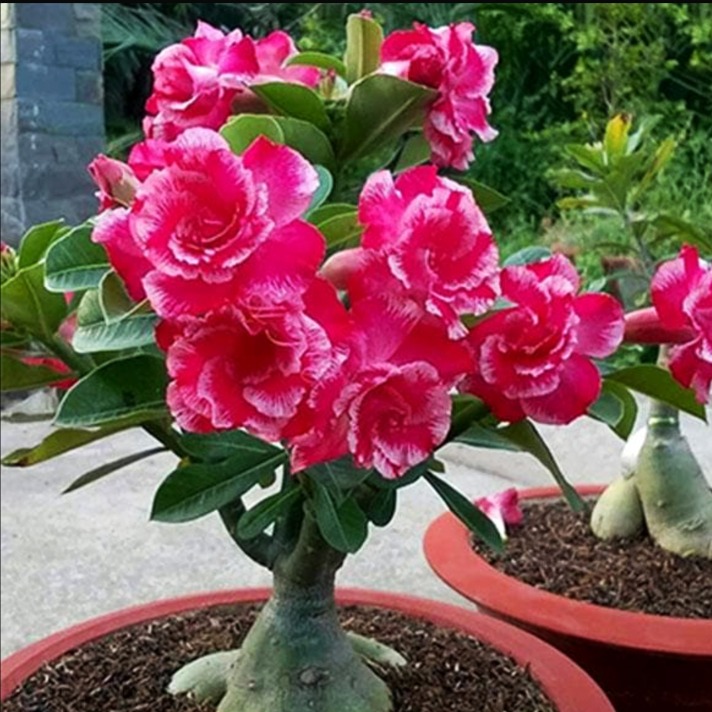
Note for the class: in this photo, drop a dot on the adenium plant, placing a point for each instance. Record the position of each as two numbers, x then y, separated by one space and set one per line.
662 489
232 301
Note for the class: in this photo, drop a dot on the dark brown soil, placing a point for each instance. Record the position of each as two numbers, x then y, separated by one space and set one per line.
555 550
129 670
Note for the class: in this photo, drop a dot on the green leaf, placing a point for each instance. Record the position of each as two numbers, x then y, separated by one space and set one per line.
74 262
409 478
308 140
364 37
573 179
37 240
266 512
325 212
617 408
615 141
340 476
193 491
131 387
487 198
343 525
26 304
528 256
416 150
294 100
55 444
341 231
318 59
673 226
89 311
326 185
242 130
12 339
380 109
129 333
477 522
589 157
658 383
114 300
18 376
382 507
480 436
527 437
215 447
111 467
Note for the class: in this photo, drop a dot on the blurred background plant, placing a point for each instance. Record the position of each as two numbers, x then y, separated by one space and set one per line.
565 69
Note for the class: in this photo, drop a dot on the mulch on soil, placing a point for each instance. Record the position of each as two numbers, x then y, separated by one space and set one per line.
555 550
130 670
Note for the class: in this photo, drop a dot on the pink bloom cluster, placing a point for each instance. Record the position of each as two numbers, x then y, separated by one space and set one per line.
447 59
256 338
205 78
682 295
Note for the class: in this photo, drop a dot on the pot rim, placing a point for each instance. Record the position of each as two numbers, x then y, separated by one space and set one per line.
572 689
448 551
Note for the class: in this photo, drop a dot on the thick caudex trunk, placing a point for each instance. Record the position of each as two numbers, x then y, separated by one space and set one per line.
666 492
296 657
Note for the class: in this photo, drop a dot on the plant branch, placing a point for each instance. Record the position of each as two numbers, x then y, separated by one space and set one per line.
262 549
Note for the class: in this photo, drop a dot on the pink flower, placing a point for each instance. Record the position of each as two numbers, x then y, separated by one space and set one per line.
148 156
682 295
243 368
426 240
388 402
502 509
116 181
534 358
448 60
199 82
212 228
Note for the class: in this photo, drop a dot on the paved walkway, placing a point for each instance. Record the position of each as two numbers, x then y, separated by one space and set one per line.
67 558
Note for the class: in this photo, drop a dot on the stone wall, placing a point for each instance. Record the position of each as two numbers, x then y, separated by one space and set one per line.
51 103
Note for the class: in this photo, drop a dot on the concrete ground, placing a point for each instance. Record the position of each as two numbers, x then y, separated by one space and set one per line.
68 558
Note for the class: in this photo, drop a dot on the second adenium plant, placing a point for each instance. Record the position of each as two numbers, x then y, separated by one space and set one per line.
232 301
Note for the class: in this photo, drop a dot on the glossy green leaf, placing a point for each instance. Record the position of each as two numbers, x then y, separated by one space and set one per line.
588 157
382 108
126 388
55 444
74 262
294 100
36 241
672 226
382 507
18 376
489 199
320 60
364 37
658 383
109 468
114 300
218 446
341 231
340 477
528 256
477 522
617 408
129 333
306 138
26 303
331 210
193 491
416 151
267 512
326 185
343 525
242 130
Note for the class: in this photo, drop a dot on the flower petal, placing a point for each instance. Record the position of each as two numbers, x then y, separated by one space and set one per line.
600 330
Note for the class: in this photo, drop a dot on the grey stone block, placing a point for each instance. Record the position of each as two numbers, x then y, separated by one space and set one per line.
62 118
53 181
57 16
33 47
67 150
8 121
38 81
73 210
9 180
87 11
12 220
77 52
90 87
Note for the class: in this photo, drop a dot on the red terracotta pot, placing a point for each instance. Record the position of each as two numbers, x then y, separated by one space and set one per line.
569 687
645 663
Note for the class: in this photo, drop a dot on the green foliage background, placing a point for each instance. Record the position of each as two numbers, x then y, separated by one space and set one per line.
565 68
